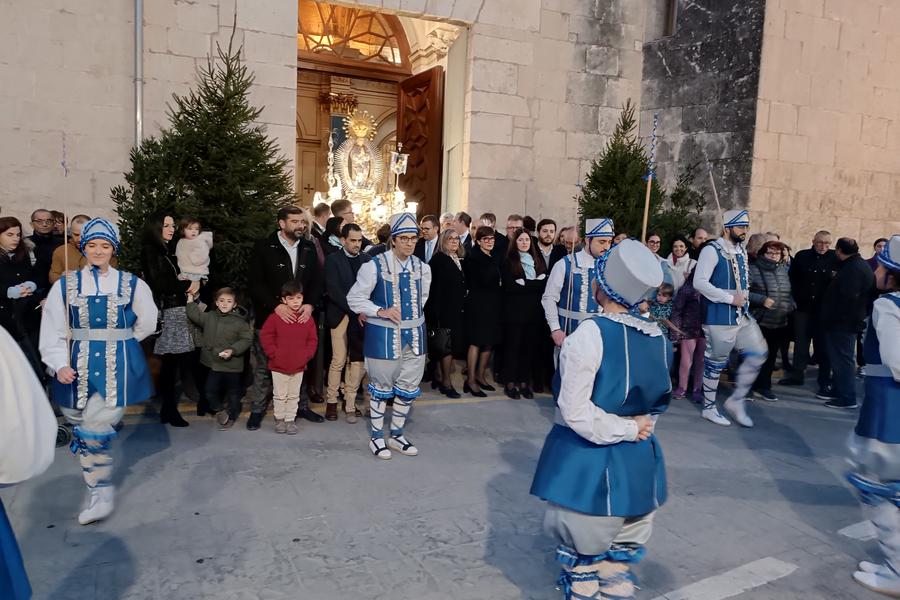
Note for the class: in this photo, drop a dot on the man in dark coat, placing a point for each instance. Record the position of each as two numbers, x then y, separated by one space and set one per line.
810 273
844 311
345 326
427 244
45 241
281 257
551 253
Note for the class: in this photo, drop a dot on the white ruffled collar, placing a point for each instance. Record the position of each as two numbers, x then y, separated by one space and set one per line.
650 328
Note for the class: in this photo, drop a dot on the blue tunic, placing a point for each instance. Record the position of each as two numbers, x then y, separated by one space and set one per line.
879 417
627 479
723 277
385 340
107 358
577 302
13 579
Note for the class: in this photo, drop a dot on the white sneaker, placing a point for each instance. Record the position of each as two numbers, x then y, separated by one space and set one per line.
402 445
714 416
738 411
870 567
100 505
379 448
889 586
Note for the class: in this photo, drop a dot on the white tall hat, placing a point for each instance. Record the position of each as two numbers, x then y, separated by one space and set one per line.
599 228
627 272
403 223
736 218
890 256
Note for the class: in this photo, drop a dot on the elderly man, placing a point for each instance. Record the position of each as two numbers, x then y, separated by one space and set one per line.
722 277
45 241
75 258
391 291
601 469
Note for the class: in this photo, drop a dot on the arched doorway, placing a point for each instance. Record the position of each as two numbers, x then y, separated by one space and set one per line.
353 58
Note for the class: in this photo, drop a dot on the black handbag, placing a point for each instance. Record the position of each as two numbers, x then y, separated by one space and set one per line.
439 343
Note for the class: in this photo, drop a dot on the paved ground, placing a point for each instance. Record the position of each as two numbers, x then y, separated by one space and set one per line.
245 515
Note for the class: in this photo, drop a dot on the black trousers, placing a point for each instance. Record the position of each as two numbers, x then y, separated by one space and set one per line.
807 328
842 355
223 392
774 339
173 367
519 352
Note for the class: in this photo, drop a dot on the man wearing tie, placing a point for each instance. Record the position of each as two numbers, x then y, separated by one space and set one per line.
427 244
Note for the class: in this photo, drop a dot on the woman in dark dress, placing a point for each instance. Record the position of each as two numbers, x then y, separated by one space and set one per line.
482 309
524 280
446 302
175 345
20 297
331 239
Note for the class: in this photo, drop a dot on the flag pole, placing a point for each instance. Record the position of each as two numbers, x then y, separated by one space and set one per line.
66 233
649 178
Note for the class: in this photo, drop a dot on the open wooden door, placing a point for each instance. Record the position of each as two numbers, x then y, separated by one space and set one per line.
420 128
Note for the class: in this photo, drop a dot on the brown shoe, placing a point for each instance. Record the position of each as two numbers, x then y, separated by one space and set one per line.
280 426
331 412
291 428
350 415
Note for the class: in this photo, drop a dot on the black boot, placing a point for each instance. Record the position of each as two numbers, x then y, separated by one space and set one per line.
168 414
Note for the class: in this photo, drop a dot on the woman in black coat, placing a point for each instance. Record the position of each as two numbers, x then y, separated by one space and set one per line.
175 344
524 280
482 309
771 304
446 303
331 239
20 298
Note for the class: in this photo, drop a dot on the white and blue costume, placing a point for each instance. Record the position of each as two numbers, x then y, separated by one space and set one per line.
603 483
722 271
395 354
875 443
109 313
568 298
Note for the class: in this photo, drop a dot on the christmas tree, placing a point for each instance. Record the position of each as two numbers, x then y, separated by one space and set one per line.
616 187
214 163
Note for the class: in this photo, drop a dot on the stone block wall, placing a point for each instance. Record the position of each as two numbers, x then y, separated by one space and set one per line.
702 82
66 72
827 145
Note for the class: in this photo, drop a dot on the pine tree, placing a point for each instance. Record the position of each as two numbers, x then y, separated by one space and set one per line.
616 187
215 163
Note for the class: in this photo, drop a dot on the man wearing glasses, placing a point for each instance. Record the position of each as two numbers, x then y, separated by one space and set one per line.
391 291
45 242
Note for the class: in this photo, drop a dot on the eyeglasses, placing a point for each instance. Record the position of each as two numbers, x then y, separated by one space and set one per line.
44 221
653 242
453 238
406 239
487 238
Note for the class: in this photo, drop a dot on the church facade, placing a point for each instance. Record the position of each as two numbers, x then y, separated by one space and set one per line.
501 104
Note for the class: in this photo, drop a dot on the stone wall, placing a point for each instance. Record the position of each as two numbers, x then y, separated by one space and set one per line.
702 82
66 72
827 146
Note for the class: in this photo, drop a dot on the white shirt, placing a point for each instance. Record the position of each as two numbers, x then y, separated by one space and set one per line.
886 319
550 299
463 237
53 322
579 361
706 264
359 298
429 249
291 248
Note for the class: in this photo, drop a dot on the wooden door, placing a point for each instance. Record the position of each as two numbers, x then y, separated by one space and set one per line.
312 136
420 128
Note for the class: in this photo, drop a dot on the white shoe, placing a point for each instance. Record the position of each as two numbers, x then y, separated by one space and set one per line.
870 567
402 445
889 586
379 448
738 410
714 416
100 505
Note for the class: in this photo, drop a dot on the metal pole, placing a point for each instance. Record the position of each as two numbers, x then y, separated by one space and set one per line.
138 72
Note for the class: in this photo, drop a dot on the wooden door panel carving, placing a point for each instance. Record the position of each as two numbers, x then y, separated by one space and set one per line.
420 127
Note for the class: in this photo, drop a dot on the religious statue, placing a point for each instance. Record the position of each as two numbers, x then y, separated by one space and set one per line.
359 167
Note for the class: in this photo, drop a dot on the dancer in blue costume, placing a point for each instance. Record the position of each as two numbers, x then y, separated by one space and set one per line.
391 291
27 445
568 298
104 370
875 443
722 276
601 468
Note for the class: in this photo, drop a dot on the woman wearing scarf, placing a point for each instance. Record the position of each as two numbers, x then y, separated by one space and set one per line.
679 263
524 279
95 352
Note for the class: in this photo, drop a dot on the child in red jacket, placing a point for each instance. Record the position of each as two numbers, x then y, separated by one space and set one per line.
289 345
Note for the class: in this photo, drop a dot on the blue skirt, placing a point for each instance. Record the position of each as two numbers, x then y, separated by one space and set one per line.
13 579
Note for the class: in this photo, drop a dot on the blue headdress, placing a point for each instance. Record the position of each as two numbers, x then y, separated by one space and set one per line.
99 229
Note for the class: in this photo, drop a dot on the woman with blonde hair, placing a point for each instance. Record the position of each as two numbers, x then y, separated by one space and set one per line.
444 310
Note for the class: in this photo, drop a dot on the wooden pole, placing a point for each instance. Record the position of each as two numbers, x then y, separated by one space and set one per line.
647 207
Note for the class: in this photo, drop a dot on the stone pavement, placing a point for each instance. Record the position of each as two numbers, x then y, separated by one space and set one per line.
242 515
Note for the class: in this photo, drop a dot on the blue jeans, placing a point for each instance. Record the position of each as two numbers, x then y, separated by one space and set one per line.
223 392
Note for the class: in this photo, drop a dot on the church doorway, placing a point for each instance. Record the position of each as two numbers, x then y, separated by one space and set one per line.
392 71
